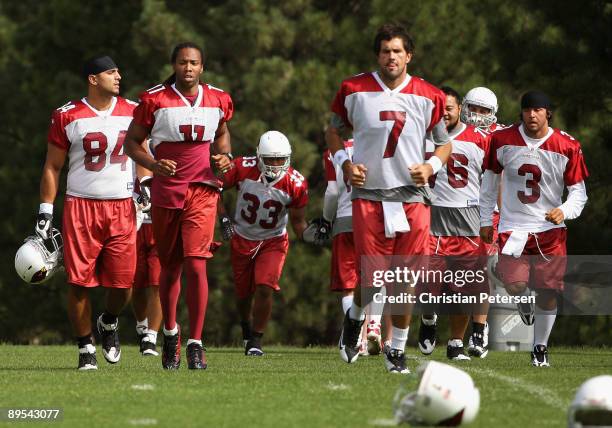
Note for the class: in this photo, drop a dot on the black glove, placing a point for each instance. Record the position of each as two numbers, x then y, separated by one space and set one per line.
144 199
318 232
43 225
227 228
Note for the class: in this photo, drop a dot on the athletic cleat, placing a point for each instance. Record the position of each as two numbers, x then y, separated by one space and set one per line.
427 336
171 352
374 346
252 348
147 348
454 350
349 339
110 341
196 358
539 356
395 361
87 358
527 312
478 345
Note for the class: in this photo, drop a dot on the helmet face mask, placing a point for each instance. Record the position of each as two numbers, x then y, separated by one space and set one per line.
479 97
273 145
445 395
37 260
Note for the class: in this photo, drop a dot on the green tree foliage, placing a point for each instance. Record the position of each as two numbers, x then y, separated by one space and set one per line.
282 63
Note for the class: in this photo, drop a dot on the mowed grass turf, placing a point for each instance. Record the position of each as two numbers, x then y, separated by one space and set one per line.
287 387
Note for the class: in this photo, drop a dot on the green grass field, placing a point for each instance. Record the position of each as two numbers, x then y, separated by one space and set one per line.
288 387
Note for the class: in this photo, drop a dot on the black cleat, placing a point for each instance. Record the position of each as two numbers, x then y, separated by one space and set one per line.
87 358
147 348
171 352
479 343
196 359
253 347
110 341
395 361
539 356
427 336
349 339
455 351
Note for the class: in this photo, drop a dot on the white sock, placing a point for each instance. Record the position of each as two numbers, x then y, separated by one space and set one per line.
377 308
347 301
151 335
429 321
544 321
142 326
171 332
190 341
399 337
357 312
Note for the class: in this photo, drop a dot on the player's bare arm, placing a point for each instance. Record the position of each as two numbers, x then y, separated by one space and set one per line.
49 183
420 173
297 217
133 146
222 148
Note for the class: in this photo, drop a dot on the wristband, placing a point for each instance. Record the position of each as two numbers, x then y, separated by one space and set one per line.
45 208
435 163
340 157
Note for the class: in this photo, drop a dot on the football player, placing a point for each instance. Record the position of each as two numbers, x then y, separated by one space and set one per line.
479 108
145 294
455 243
187 123
389 113
337 210
98 225
538 163
270 194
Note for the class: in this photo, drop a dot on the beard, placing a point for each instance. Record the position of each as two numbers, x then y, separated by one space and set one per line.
392 75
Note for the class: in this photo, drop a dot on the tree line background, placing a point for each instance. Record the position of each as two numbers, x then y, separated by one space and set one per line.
282 63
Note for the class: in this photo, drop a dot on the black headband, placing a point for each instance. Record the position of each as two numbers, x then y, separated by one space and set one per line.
98 65
535 99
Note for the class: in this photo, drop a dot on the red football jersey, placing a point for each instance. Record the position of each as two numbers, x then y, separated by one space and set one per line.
261 208
182 132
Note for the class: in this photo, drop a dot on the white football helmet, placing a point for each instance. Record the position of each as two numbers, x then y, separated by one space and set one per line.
482 97
592 405
273 144
445 396
35 262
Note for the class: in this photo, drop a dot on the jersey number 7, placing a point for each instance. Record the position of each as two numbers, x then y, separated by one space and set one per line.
399 120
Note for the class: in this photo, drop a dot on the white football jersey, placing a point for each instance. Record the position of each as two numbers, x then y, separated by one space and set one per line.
262 206
98 168
389 126
457 184
334 173
534 177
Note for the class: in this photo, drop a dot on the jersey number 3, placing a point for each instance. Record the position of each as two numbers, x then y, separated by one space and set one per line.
532 183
